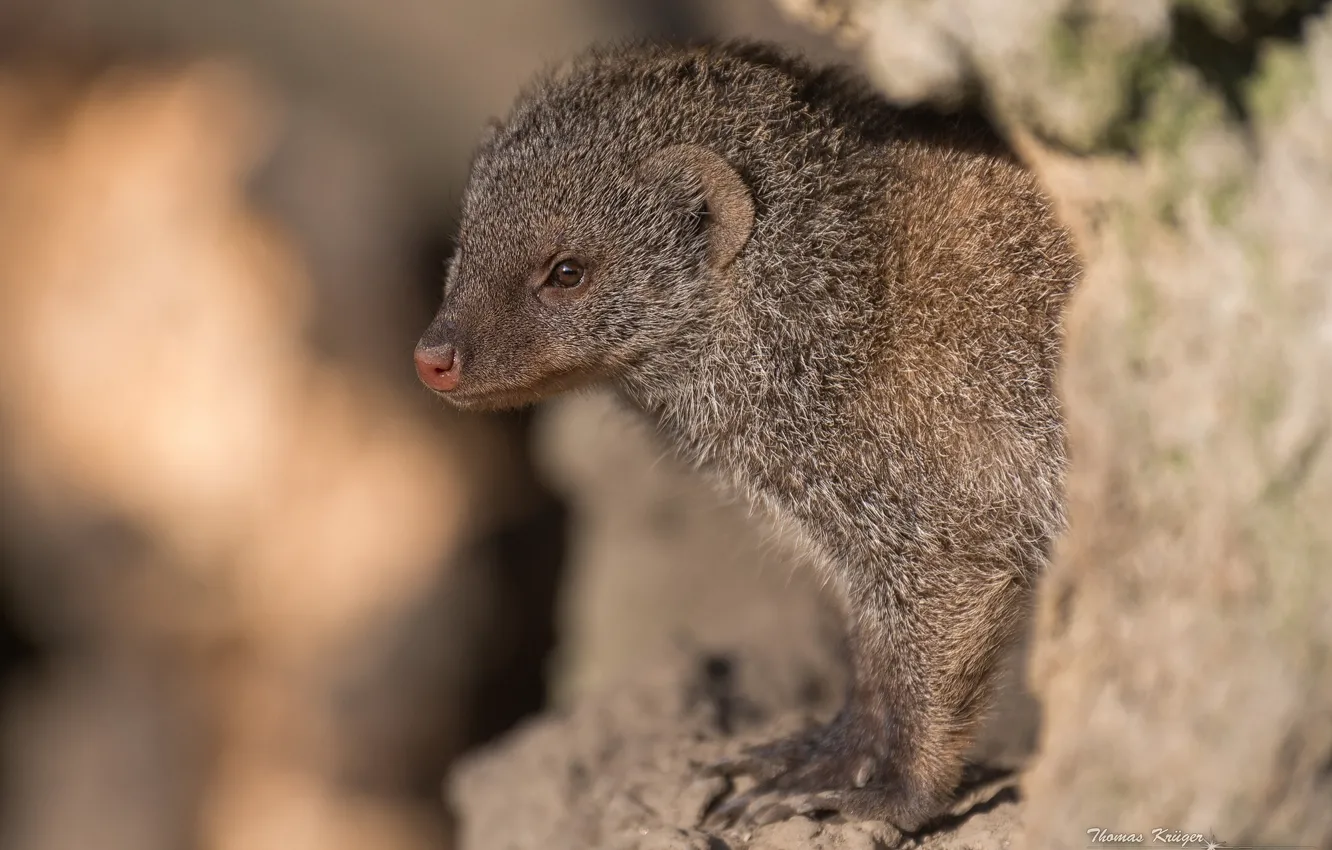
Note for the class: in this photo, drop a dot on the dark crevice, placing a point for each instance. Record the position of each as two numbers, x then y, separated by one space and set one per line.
1225 57
526 560
715 691
21 654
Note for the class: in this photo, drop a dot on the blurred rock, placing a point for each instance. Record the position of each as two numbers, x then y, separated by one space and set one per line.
215 520
413 81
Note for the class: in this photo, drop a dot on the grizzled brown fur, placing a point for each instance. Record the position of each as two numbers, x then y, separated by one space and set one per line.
848 310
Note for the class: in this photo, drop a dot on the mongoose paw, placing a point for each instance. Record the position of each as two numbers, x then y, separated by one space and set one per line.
758 808
768 761
829 770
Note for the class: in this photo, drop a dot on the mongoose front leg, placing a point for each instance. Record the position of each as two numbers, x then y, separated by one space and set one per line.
921 674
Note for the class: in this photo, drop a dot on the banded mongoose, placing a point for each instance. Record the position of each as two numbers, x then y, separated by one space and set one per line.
848 310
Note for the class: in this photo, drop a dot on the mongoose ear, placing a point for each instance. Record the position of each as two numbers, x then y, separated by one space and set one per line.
730 207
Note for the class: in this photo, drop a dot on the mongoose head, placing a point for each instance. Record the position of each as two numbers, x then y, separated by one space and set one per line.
585 243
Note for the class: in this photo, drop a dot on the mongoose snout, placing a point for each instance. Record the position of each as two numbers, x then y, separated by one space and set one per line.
439 367
868 300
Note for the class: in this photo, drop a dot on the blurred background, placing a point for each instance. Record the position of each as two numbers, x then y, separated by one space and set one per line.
257 589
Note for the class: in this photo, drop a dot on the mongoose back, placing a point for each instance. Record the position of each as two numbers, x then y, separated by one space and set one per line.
848 310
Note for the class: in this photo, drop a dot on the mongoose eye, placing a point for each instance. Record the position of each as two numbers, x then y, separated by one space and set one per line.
566 274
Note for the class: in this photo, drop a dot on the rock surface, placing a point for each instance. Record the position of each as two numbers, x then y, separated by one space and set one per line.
622 771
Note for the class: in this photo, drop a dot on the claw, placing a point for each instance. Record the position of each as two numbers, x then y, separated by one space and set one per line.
835 769
730 813
762 763
763 805
826 802
773 813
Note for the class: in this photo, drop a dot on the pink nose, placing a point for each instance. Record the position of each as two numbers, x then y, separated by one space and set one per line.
439 367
